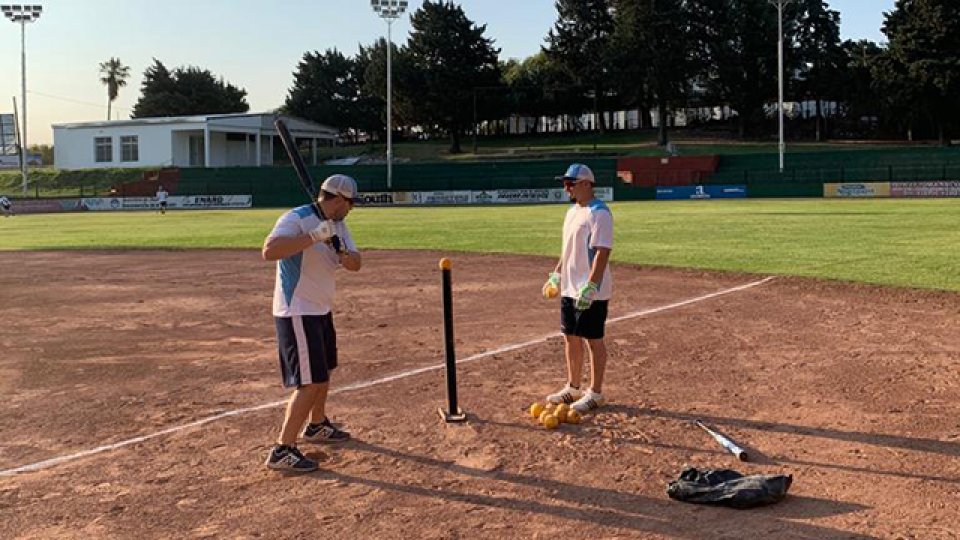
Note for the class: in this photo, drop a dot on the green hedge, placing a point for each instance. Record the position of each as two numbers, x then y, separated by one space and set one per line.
62 183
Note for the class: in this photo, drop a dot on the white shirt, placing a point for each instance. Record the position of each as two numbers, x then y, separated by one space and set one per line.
585 228
305 282
4 201
162 195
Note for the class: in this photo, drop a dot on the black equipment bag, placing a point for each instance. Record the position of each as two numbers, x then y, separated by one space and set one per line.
725 487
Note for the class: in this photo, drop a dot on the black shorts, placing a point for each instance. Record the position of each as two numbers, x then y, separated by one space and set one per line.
586 324
308 349
163 204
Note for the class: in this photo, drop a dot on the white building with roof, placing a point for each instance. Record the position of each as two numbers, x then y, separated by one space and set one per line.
212 140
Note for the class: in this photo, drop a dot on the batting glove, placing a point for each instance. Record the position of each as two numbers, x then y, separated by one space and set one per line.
552 287
586 294
323 232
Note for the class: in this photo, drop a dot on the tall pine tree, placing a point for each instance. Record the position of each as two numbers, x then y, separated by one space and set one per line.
325 89
186 91
821 56
653 40
579 42
922 62
451 57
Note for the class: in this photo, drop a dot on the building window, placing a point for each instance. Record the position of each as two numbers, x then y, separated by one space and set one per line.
103 149
129 148
197 154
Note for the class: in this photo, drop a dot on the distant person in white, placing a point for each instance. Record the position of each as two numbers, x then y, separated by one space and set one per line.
309 244
6 206
162 199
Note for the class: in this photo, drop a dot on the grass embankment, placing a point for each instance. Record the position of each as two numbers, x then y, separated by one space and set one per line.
626 143
894 242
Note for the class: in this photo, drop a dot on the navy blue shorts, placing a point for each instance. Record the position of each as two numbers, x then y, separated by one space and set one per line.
308 349
587 324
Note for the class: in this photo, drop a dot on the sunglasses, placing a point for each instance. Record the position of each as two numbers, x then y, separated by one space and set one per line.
570 183
350 201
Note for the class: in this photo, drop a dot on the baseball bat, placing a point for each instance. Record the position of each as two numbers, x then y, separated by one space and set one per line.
724 442
298 165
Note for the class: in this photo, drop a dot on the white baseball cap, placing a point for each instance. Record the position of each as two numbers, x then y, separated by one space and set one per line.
578 172
340 184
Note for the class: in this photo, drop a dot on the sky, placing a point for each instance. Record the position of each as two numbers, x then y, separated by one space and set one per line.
253 45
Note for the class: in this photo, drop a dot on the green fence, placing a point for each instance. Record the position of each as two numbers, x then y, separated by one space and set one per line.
874 165
804 175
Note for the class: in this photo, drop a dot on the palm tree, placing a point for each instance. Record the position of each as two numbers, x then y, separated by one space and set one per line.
114 75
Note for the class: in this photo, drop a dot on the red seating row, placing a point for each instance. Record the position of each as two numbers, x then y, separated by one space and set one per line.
667 171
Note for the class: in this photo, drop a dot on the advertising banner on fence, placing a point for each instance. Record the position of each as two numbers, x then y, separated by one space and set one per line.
925 189
441 197
186 202
857 190
508 196
385 198
463 197
701 192
45 206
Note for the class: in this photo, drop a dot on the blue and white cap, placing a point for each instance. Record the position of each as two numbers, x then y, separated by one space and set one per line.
578 172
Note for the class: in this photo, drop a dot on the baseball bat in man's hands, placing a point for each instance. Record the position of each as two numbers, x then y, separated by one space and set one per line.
724 442
293 152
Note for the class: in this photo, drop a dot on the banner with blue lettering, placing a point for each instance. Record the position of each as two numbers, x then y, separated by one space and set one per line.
701 192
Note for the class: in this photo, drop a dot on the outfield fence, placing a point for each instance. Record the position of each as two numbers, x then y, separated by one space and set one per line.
805 176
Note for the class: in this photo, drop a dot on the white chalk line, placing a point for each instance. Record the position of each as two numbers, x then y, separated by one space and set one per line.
47 463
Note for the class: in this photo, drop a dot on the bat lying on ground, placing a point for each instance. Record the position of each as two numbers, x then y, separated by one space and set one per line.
724 442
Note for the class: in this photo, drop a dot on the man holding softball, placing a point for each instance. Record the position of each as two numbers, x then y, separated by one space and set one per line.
582 279
309 243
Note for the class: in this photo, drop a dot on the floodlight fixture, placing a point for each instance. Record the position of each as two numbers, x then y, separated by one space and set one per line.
389 9
23 14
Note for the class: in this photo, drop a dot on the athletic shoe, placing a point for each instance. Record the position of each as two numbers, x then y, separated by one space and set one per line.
567 394
590 401
289 458
324 432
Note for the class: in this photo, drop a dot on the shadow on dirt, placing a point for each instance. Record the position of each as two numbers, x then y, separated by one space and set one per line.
606 507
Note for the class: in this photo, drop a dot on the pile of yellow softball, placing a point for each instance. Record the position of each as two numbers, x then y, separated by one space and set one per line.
551 415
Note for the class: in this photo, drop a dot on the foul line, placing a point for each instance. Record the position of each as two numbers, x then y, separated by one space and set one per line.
47 463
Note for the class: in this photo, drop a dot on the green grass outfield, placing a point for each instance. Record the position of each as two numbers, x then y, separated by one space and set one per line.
894 242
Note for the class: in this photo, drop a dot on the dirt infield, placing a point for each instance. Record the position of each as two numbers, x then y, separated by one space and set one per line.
855 390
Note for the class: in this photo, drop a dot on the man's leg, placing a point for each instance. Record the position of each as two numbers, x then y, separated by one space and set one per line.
298 408
320 429
573 348
318 412
598 363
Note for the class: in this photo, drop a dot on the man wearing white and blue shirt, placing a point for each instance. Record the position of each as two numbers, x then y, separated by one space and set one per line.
309 243
585 285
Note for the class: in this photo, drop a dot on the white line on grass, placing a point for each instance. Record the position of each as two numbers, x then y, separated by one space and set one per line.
47 463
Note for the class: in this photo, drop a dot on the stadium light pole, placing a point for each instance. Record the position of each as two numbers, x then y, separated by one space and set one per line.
389 10
779 5
23 14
